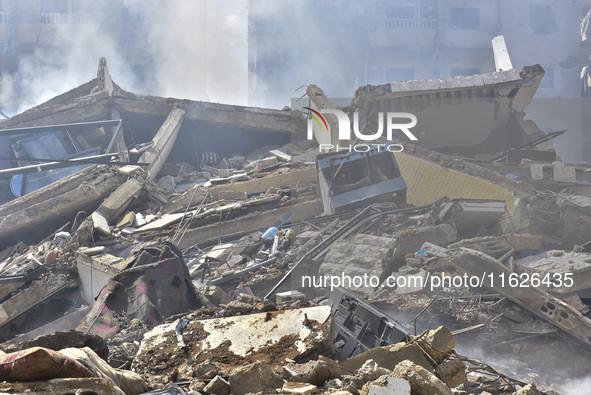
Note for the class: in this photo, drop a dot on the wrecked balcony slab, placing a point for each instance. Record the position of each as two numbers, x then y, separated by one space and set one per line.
90 107
271 337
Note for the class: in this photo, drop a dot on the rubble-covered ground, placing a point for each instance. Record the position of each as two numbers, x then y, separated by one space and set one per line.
232 271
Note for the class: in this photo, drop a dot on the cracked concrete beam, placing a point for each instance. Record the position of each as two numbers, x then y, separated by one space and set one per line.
57 203
319 101
163 142
502 59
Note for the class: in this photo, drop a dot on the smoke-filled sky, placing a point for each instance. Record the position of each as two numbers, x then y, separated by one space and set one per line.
193 49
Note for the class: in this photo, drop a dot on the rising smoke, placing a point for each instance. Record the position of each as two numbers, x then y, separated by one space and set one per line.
193 49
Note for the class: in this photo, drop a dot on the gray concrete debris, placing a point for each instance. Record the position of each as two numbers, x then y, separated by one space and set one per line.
439 343
296 334
452 372
388 357
422 382
359 256
218 386
313 372
298 388
255 377
502 218
370 371
387 385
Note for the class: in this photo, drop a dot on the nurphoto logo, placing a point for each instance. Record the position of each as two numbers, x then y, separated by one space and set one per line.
392 123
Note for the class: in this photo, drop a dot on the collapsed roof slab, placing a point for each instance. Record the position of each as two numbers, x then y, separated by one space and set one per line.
461 111
275 121
91 107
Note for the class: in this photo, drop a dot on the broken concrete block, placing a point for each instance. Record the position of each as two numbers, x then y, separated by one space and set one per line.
313 372
410 240
206 370
412 286
255 377
281 155
299 388
163 142
167 183
215 295
362 255
100 223
93 250
290 297
334 369
371 371
439 343
422 382
236 307
386 385
452 372
564 173
529 389
113 206
218 386
388 357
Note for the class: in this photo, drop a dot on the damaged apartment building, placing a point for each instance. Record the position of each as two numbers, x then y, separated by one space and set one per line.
160 245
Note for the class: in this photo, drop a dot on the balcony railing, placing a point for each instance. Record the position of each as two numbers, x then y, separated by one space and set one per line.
64 19
4 17
408 24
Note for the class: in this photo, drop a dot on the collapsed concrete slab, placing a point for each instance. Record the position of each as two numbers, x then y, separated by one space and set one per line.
57 203
361 255
272 337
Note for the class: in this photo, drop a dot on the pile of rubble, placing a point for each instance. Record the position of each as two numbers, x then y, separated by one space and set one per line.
145 258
